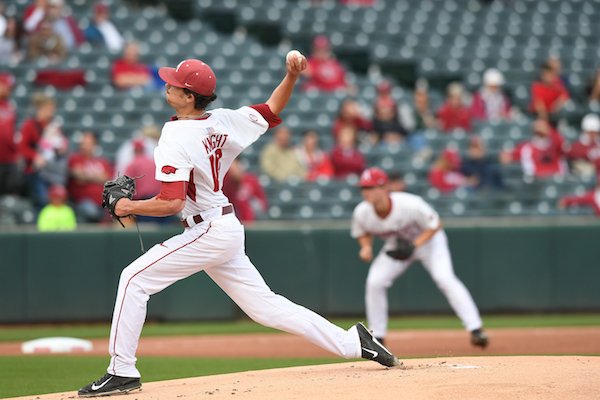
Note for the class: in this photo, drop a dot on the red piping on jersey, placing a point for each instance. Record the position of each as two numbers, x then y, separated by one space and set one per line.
127 286
204 116
265 111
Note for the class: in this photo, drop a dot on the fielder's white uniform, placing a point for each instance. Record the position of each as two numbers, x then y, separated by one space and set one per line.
408 217
200 152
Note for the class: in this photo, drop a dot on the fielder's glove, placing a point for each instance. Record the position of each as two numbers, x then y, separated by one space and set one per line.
403 251
115 190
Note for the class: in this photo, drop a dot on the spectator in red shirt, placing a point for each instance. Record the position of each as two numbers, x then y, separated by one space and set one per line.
142 168
128 72
454 114
324 72
31 133
345 156
8 145
315 161
351 115
245 192
548 95
584 154
149 135
445 173
88 172
589 199
490 103
543 155
61 22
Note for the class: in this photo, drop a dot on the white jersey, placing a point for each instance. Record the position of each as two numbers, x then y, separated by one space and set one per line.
201 151
409 216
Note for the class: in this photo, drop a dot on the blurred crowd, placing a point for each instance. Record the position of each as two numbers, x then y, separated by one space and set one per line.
63 175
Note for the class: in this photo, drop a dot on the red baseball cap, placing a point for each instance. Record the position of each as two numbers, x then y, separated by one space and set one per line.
373 177
191 74
57 192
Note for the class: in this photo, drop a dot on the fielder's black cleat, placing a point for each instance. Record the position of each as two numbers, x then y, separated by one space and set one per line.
373 350
479 338
109 385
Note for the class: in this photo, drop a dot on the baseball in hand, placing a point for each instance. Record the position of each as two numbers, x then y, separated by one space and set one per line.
295 61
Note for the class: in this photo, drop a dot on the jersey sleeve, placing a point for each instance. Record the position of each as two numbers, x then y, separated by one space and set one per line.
425 216
357 229
248 123
172 162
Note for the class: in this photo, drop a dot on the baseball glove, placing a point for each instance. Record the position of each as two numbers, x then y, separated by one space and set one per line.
403 251
115 190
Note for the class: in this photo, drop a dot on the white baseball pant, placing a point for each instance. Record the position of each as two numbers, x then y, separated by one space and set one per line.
216 247
435 257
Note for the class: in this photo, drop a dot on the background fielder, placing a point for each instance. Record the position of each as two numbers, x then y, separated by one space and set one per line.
195 150
406 220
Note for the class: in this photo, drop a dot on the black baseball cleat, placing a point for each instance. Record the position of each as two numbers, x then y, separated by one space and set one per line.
109 385
479 338
373 350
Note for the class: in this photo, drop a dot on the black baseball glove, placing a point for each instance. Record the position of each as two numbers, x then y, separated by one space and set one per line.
403 251
115 190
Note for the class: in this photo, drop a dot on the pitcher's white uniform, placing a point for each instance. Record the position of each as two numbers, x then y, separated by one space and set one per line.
408 217
200 152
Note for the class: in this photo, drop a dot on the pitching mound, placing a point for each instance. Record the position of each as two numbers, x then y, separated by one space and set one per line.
569 377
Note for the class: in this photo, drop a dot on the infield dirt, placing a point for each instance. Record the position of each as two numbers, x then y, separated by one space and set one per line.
517 377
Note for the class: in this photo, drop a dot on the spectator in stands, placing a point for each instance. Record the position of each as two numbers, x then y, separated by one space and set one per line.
454 113
244 191
548 94
149 135
543 155
350 114
589 199
64 24
9 173
557 68
396 182
129 72
46 43
345 156
102 31
593 89
315 161
584 154
142 168
386 123
278 159
10 41
57 215
418 116
31 133
445 175
490 103
324 72
52 166
481 170
88 172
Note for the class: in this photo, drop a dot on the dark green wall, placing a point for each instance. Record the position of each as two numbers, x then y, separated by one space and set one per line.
74 276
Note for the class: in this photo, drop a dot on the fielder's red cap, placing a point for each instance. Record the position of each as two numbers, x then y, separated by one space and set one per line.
191 74
373 177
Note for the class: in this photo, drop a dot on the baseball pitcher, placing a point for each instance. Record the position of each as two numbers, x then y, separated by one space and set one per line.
195 150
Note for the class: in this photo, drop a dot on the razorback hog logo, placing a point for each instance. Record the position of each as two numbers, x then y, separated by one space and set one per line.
213 144
167 169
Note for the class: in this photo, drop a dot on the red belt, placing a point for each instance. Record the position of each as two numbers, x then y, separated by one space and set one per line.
198 218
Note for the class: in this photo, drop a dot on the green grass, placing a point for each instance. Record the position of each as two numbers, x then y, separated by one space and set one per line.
91 331
27 375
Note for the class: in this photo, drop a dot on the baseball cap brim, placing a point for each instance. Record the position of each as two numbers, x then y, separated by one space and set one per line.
167 74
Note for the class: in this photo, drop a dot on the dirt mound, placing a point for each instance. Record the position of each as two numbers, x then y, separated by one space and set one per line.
539 377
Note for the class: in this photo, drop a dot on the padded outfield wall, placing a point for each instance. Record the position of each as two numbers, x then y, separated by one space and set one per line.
74 276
